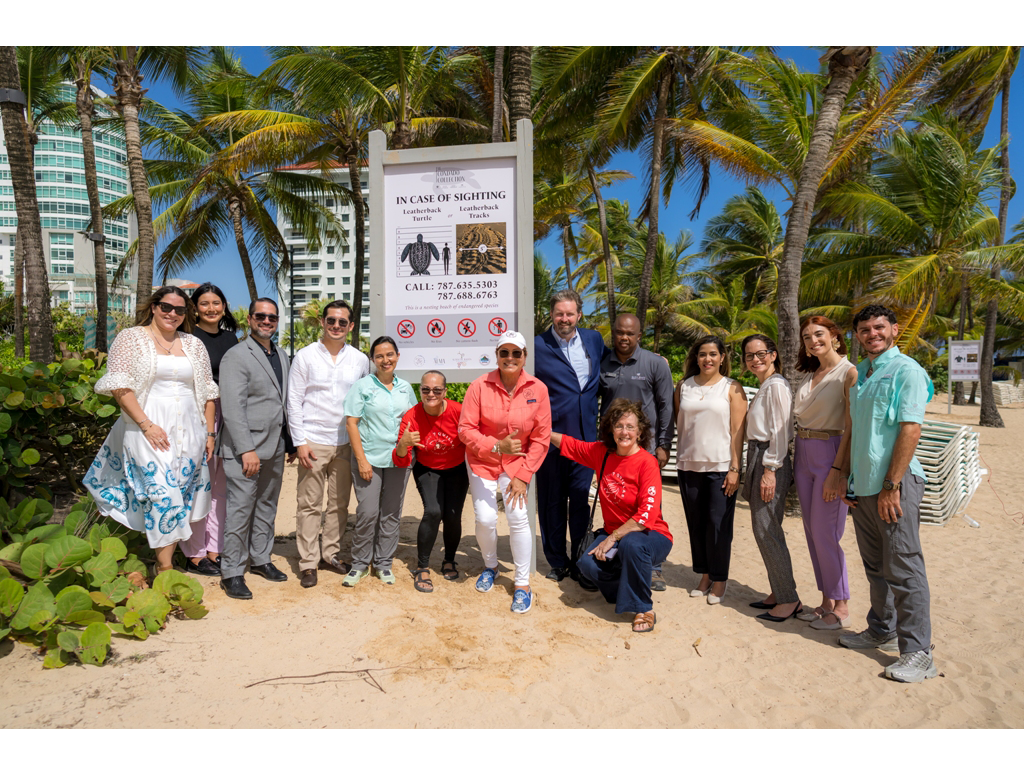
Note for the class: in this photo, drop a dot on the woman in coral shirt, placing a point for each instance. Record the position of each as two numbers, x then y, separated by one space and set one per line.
506 426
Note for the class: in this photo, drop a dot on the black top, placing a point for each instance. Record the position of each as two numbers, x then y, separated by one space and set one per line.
216 345
275 363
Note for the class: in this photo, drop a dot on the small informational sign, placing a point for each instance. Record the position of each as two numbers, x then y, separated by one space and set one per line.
450 259
965 360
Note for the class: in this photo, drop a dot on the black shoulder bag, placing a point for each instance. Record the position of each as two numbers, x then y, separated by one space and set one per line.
588 538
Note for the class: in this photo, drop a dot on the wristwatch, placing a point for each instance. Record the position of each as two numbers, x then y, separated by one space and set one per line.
889 485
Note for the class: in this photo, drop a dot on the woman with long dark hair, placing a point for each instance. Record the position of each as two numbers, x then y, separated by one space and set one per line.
709 408
770 472
151 473
217 328
822 412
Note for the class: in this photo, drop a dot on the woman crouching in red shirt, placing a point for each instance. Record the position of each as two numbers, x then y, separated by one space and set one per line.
432 428
635 535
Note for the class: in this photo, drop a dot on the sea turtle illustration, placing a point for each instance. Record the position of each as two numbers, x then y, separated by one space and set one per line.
419 254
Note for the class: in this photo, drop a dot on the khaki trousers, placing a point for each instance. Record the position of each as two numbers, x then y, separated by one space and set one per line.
332 468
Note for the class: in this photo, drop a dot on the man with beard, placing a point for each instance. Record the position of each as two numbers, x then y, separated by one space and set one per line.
887 481
644 377
568 362
254 441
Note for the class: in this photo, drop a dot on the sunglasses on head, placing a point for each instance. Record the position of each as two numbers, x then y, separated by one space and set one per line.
432 390
263 316
342 322
516 353
165 307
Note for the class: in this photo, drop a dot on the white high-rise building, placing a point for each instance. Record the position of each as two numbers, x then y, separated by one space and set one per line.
64 214
329 272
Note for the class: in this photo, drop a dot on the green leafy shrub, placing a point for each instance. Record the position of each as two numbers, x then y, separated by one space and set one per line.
65 588
51 423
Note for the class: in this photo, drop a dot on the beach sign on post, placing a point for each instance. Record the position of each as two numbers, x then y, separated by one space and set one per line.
964 363
451 243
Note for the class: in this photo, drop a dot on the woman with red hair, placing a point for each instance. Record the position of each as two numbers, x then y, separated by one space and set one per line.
822 442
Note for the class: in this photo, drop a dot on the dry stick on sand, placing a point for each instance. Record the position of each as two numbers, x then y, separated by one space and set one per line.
695 644
362 674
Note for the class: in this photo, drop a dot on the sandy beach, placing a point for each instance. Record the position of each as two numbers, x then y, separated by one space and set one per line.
390 657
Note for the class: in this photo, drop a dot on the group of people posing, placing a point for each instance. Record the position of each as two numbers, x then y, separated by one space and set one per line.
587 409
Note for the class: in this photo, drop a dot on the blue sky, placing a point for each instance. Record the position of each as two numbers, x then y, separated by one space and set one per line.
224 269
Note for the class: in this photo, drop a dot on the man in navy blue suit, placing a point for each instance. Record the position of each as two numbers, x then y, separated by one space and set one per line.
568 361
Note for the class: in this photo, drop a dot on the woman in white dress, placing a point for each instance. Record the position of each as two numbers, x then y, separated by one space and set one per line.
151 473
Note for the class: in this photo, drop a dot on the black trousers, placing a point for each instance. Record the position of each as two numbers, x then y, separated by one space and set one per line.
563 487
709 519
444 493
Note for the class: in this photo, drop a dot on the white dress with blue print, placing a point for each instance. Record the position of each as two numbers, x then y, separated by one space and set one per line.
159 492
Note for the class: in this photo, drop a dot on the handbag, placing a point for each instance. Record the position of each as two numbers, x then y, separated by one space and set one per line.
587 542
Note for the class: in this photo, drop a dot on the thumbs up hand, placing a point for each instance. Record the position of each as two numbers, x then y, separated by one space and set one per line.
511 445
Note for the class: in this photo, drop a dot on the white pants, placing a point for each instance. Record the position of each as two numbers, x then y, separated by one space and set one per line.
485 508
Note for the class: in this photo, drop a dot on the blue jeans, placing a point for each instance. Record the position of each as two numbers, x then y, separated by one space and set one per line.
626 579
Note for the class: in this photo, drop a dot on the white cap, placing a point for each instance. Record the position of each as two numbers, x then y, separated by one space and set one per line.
511 337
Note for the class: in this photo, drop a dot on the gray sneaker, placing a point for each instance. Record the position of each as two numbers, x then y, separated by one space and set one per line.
868 639
912 667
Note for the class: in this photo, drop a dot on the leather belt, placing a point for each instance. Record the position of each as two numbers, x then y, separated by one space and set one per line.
818 434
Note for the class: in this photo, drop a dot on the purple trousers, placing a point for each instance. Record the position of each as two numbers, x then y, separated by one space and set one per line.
208 533
824 521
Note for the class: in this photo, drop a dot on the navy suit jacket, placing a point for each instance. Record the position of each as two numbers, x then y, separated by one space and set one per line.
573 413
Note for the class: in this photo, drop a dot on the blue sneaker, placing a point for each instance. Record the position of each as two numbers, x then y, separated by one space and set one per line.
486 580
521 601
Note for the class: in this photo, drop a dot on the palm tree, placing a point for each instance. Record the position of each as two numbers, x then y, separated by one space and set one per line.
545 284
745 240
203 203
131 64
497 110
971 79
520 89
30 234
929 229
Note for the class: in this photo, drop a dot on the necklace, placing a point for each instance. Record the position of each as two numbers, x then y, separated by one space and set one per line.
166 349
701 388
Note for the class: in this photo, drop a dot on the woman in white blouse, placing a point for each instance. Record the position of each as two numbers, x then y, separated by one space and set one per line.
822 443
709 408
770 472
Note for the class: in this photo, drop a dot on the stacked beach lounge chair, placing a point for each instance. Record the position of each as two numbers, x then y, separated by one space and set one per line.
1008 393
952 467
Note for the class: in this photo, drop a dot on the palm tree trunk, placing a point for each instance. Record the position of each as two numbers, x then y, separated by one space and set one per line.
568 248
84 105
958 386
844 66
19 295
235 208
989 413
602 216
355 181
657 149
30 234
520 87
497 134
129 91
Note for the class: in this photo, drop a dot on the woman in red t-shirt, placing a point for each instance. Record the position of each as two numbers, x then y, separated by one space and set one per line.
432 428
635 535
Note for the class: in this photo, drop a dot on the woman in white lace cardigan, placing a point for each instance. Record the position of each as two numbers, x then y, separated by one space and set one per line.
151 473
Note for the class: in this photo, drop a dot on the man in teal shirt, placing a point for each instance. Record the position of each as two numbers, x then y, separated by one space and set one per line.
887 408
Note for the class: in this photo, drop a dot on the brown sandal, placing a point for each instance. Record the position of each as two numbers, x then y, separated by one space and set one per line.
648 618
421 580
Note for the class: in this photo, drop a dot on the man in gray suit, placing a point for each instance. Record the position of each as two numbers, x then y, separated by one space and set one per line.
254 440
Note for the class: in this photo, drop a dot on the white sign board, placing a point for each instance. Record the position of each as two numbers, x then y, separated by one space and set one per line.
450 260
965 360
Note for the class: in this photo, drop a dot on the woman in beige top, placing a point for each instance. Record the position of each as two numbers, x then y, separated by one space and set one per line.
709 409
822 442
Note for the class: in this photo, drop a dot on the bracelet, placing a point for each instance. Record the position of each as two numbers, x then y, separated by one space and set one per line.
147 421
734 469
211 434
837 469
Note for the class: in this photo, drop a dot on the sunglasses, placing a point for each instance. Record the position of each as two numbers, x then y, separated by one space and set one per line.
761 354
263 316
516 353
335 321
165 307
432 390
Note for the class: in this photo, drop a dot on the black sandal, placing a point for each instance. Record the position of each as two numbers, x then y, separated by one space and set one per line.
423 584
449 571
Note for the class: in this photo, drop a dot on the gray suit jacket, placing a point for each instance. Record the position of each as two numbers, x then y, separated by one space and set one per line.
251 401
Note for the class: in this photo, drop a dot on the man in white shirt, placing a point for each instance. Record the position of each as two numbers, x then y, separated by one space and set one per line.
321 376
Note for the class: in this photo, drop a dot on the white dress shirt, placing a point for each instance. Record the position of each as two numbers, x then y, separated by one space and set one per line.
317 386
770 419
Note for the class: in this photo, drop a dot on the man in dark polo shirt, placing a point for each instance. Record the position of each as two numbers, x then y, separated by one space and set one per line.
636 374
